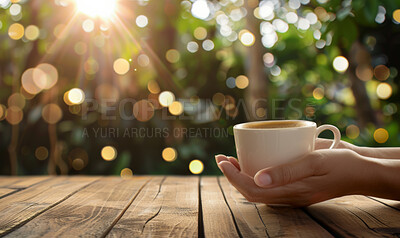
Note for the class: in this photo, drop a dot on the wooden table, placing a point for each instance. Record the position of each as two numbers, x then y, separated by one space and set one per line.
175 206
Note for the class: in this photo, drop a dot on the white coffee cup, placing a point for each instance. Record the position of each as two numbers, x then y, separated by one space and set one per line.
265 144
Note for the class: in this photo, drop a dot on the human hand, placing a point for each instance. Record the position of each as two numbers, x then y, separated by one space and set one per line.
320 175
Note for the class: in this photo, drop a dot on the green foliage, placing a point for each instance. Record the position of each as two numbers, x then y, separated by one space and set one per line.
302 66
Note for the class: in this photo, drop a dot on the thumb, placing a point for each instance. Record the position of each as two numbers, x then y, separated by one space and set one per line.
286 173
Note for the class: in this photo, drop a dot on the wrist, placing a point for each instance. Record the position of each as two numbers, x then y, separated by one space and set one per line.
364 151
382 178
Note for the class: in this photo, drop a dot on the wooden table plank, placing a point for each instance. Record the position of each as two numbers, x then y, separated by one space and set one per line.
260 220
246 214
29 181
357 216
217 218
90 212
5 181
18 208
5 191
391 203
20 182
166 207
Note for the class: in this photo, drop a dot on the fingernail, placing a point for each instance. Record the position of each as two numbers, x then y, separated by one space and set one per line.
220 166
263 180
216 158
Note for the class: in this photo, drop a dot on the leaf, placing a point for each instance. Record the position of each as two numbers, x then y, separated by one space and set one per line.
343 13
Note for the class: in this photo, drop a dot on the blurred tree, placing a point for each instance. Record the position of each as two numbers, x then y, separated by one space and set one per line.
187 65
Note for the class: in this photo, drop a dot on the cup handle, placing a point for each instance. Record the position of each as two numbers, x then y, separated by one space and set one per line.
336 134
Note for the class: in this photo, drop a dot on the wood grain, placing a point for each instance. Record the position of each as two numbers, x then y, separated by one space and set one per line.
357 216
260 220
26 182
166 207
176 206
18 208
21 182
6 181
5 191
90 212
217 218
391 203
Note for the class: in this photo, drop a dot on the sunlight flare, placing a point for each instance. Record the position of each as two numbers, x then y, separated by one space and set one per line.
97 8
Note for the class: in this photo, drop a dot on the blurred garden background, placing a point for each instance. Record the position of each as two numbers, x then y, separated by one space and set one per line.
124 87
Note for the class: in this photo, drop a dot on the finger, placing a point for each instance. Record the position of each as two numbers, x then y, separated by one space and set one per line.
322 143
287 173
220 157
234 161
242 182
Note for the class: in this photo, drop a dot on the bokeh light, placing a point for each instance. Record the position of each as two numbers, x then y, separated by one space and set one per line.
78 164
28 83
52 113
15 9
196 166
175 108
88 25
143 110
396 15
340 64
78 158
352 131
172 56
192 47
16 100
200 9
126 173
261 112
246 37
384 91
268 59
381 135
169 154
200 33
143 60
14 115
32 32
41 153
318 93
364 72
141 21
16 31
242 82
381 72
108 153
230 82
153 87
218 99
3 112
208 45
166 98
76 96
45 76
121 66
